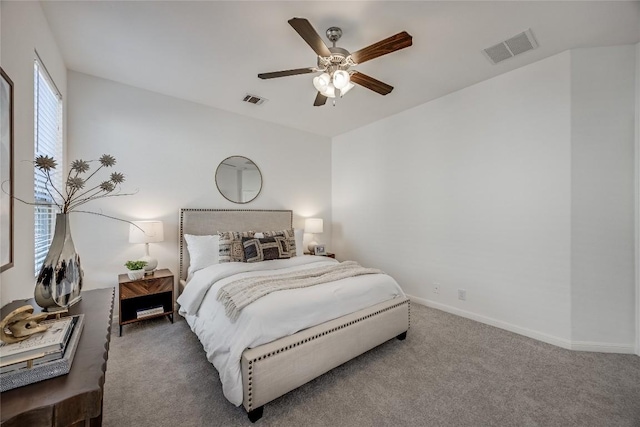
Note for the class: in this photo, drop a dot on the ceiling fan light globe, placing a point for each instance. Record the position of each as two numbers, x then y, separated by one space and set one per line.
322 82
340 79
329 91
346 89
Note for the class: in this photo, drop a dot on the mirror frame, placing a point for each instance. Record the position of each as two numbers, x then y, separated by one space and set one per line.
259 173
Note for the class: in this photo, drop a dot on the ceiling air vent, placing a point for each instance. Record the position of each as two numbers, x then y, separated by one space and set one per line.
516 45
253 99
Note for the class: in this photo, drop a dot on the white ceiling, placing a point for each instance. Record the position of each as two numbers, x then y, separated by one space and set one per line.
210 52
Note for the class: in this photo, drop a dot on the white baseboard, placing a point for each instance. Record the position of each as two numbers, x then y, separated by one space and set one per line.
549 339
602 347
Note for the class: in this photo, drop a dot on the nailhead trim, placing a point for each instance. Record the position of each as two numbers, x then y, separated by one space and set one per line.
250 393
283 349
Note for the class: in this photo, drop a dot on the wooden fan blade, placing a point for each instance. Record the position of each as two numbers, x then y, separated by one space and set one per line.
310 35
320 100
286 73
371 83
383 47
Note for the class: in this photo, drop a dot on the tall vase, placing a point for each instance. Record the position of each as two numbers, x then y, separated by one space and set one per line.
59 283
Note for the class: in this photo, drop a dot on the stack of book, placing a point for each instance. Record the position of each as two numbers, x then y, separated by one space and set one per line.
42 355
149 312
38 348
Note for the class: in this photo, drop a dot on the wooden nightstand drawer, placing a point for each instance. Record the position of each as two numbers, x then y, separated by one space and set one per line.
145 298
145 287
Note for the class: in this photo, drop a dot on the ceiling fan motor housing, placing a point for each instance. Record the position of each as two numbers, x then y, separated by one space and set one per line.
340 59
334 34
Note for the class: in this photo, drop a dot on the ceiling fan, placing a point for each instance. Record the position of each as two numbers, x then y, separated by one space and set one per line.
334 62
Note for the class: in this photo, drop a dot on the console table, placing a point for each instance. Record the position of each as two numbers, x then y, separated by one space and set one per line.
74 399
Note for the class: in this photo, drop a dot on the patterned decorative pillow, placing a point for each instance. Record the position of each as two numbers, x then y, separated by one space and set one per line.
288 234
265 249
231 249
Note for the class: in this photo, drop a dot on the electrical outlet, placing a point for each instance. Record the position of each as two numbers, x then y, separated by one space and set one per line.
462 294
436 288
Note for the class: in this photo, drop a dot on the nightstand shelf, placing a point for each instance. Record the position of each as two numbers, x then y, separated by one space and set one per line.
152 291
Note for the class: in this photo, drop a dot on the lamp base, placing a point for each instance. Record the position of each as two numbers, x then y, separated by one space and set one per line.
152 264
312 247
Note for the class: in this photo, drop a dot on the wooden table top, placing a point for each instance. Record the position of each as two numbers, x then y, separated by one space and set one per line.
77 396
158 274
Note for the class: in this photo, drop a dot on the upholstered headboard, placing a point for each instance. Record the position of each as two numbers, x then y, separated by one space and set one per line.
202 222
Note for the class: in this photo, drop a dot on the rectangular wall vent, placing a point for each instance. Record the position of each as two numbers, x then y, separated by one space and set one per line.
516 45
253 99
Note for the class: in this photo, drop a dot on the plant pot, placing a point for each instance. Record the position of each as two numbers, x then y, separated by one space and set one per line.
136 274
59 282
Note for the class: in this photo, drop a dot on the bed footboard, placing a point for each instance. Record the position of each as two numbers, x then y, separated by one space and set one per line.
273 369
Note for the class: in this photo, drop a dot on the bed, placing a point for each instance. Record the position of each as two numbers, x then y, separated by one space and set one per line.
262 368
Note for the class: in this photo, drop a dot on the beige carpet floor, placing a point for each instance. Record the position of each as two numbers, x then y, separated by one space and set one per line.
450 371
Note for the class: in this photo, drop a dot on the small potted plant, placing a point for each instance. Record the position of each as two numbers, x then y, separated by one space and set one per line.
136 269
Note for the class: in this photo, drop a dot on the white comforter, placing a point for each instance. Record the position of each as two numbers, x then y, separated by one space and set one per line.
274 316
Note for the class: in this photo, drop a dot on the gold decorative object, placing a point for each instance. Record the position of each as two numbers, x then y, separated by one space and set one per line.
21 324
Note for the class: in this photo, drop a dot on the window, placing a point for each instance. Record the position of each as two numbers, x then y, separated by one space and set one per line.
48 141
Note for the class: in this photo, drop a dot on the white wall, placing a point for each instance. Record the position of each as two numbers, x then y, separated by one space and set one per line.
470 191
475 191
24 30
169 149
602 195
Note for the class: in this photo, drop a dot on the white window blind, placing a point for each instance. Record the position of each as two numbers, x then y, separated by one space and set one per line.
48 141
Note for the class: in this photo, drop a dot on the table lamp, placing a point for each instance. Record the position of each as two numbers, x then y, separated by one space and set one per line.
313 226
147 232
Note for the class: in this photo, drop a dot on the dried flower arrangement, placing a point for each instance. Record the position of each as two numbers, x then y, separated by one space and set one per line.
76 190
74 193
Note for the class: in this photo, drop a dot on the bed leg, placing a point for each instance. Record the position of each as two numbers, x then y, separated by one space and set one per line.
256 414
402 336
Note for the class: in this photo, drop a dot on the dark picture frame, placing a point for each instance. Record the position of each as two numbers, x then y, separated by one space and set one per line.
6 171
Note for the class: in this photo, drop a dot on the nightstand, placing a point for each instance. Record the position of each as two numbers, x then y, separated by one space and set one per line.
146 298
328 254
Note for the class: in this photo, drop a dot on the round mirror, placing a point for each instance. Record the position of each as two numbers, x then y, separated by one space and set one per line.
238 179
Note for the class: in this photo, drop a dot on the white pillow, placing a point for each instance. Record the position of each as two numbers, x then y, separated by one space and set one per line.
203 251
298 234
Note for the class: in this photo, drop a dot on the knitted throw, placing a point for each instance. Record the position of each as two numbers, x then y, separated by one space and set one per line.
238 294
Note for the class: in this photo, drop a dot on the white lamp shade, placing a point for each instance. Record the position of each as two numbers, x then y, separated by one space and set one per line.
329 91
321 82
313 225
340 79
149 232
346 89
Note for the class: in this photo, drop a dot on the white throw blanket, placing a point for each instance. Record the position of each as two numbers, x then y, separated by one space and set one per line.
274 316
238 294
